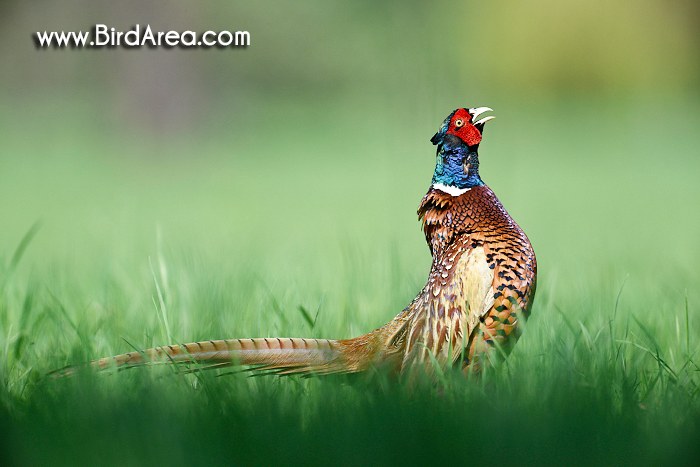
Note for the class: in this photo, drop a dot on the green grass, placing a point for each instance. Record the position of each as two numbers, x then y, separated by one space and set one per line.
223 237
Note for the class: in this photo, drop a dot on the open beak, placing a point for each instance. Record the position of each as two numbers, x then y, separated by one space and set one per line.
475 112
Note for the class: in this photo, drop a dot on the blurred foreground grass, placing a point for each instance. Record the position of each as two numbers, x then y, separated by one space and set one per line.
242 228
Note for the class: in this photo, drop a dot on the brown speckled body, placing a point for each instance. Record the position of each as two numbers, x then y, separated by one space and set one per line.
481 285
482 279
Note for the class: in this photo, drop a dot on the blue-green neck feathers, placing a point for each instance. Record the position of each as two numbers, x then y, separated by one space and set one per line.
457 165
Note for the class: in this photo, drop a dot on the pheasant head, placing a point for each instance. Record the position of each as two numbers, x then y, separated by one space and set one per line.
457 141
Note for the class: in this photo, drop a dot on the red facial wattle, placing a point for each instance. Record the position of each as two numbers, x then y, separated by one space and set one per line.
461 127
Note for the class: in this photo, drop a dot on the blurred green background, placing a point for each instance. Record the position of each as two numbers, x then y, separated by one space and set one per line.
249 182
319 130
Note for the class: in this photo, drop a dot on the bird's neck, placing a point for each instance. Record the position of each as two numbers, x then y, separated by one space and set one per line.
454 177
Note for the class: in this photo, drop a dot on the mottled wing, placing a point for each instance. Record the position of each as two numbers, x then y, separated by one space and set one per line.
458 295
515 268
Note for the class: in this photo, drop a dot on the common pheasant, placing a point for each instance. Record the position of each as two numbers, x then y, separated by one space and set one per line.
480 288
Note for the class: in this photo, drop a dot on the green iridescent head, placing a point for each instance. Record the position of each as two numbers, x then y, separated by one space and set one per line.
457 142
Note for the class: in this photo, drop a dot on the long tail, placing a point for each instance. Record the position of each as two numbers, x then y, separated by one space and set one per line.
281 356
274 355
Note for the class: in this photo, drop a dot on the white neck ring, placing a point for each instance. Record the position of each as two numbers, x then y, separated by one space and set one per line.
450 190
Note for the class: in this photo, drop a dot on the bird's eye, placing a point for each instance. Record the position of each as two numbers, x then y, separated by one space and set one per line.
458 123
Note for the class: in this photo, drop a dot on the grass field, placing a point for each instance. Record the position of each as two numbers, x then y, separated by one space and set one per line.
140 241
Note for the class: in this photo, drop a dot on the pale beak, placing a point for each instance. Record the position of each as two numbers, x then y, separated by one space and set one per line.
475 112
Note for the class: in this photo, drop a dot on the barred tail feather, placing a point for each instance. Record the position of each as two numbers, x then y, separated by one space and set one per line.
277 355
283 356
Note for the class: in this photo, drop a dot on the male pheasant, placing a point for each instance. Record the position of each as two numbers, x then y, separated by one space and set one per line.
480 288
